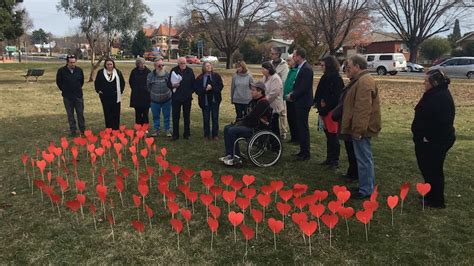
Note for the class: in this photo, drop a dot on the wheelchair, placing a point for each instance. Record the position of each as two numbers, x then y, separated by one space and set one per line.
263 148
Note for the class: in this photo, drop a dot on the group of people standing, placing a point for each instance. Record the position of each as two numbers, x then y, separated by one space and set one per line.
283 98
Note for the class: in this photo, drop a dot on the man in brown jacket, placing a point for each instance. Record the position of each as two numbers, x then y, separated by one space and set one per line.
361 120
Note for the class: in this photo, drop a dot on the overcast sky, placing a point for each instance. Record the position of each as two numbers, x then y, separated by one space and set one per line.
44 14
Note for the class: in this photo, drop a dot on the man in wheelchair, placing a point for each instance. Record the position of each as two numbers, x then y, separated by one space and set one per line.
258 113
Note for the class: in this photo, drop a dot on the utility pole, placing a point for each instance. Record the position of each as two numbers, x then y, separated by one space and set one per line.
169 39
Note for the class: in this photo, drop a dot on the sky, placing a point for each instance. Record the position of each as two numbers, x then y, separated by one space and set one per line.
44 15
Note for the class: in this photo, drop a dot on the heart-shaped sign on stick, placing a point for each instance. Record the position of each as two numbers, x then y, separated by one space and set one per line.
177 226
346 213
213 225
235 219
248 233
392 202
257 216
187 217
404 188
330 220
308 228
423 189
275 226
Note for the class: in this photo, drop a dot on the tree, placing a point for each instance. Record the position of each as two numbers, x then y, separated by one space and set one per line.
435 47
11 20
39 36
105 17
228 21
126 44
456 35
418 20
248 49
140 44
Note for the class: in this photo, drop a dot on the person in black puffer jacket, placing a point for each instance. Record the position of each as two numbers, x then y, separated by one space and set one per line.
140 97
326 99
434 133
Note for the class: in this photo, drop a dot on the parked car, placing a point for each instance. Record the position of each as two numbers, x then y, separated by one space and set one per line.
441 60
151 56
390 63
457 66
62 56
210 59
192 59
412 67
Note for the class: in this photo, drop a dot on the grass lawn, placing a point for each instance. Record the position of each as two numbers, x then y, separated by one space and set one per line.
32 115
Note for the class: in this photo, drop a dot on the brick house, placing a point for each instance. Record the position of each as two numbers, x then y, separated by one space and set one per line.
377 43
159 38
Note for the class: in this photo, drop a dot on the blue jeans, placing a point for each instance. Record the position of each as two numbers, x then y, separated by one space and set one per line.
208 112
365 165
231 134
156 109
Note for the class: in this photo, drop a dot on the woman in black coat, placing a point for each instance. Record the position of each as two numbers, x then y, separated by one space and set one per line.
208 86
109 84
326 99
434 134
140 97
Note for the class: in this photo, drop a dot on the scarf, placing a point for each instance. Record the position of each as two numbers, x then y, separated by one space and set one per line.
117 83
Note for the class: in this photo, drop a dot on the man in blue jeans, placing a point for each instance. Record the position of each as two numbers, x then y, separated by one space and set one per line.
361 120
258 111
160 95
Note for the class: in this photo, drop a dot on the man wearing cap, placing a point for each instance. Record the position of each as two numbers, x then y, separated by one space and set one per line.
258 111
69 80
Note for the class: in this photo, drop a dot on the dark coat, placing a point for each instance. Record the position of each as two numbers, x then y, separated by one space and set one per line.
258 110
213 95
185 90
70 84
303 88
434 117
140 97
329 90
108 89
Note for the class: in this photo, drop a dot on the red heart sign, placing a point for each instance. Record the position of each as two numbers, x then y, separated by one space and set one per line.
423 188
192 196
205 174
371 206
257 215
186 214
173 207
346 213
285 195
277 185
243 203
175 169
267 190
73 205
119 183
404 190
215 211
392 201
80 185
213 224
336 189
41 164
235 218
299 189
248 179
216 191
236 185
81 198
364 216
317 210
144 152
177 225
101 192
149 141
275 225
299 217
330 220
320 195
247 231
308 228
136 200
249 193
206 199
343 196
226 179
334 206
283 208
264 200
143 189
139 226
207 181
228 196
149 211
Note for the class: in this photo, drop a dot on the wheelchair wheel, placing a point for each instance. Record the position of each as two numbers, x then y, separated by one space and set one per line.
264 149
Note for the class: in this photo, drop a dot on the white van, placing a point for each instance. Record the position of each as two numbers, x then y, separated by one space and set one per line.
386 63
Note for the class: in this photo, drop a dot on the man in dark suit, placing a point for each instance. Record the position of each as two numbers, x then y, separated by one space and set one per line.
302 98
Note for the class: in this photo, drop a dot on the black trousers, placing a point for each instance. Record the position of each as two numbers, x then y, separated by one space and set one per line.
141 115
176 110
275 124
302 125
240 110
111 115
352 170
332 147
291 117
71 105
210 113
430 158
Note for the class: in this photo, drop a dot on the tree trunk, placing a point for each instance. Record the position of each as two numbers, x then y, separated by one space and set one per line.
228 60
413 53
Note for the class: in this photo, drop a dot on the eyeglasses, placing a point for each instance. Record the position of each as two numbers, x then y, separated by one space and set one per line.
181 63
159 65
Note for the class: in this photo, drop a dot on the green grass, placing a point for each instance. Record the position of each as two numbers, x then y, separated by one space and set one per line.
32 115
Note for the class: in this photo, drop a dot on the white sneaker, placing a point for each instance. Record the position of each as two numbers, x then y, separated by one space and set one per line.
227 157
229 162
169 134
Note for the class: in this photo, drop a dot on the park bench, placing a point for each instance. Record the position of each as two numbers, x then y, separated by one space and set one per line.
33 73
